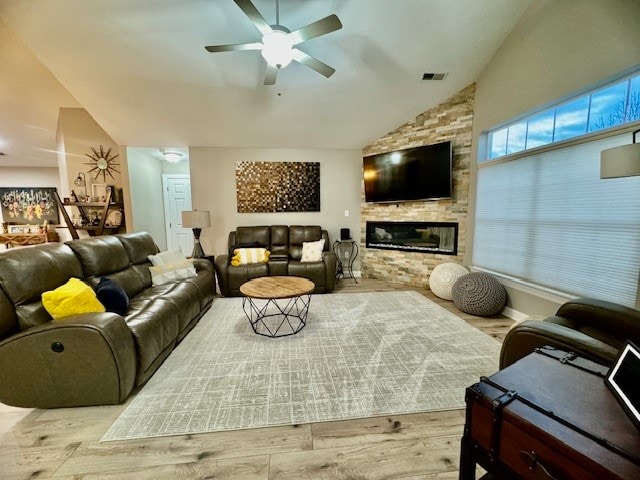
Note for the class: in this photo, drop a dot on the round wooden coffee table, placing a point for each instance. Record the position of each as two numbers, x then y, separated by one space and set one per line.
277 306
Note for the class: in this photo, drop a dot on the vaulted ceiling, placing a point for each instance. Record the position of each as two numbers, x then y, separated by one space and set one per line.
141 70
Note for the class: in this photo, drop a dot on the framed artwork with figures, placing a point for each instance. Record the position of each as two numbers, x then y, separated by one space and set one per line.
29 205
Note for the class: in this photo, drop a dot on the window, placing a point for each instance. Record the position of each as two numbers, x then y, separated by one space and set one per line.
549 219
612 105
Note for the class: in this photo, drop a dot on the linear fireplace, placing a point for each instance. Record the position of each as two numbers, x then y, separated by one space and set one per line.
423 237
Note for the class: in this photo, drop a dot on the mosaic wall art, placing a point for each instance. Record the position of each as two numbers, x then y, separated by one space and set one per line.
278 187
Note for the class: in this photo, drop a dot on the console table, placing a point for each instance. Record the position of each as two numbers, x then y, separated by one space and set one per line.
548 416
23 239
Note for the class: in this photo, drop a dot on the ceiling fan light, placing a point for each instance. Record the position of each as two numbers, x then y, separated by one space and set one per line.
277 49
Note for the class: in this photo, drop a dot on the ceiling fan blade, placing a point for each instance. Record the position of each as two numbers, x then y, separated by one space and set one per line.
321 27
252 12
313 63
234 48
270 75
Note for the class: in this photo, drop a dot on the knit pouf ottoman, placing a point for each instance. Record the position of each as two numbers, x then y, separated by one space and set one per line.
443 277
479 293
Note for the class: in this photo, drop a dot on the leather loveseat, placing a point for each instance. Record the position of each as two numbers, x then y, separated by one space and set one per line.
90 358
285 245
590 328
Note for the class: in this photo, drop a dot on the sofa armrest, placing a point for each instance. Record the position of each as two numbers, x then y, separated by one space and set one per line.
525 337
330 262
623 322
222 265
90 359
202 264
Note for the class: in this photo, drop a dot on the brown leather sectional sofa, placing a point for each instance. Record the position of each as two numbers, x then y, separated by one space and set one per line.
285 244
593 329
93 358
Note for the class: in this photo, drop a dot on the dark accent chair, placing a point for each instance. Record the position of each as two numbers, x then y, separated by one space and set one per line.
594 329
285 244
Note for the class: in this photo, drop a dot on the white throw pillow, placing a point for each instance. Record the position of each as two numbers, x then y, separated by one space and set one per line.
172 273
312 251
169 257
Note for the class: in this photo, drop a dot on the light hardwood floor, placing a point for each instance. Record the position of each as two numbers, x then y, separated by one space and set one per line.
65 443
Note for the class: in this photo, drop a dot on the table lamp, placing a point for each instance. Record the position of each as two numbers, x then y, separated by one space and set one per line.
622 161
196 220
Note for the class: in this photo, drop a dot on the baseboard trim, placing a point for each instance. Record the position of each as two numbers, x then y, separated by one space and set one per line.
514 314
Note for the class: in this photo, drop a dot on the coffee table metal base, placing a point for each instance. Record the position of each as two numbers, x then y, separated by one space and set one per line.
275 318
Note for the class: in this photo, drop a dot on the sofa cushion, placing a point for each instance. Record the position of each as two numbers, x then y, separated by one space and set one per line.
280 240
314 271
155 328
246 256
100 255
72 298
236 276
51 265
112 296
138 245
312 251
298 234
253 236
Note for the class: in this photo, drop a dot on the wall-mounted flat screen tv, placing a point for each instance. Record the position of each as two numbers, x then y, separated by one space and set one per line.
420 173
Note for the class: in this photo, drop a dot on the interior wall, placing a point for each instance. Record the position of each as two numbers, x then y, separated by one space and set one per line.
558 49
213 187
80 133
147 204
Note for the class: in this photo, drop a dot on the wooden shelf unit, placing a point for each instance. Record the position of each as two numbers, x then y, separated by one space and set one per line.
92 230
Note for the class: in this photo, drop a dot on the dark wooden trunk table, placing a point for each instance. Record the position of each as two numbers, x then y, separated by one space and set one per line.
548 416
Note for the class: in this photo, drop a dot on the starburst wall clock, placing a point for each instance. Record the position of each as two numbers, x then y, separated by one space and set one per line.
102 162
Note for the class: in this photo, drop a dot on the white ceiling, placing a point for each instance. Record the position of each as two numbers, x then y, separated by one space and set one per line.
140 69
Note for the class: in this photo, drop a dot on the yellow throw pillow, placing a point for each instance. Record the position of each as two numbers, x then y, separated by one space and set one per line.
245 256
72 298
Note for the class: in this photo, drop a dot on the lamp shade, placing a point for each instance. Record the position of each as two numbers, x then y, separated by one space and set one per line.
196 219
622 161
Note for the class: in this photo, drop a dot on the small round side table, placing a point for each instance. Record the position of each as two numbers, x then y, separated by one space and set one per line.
346 251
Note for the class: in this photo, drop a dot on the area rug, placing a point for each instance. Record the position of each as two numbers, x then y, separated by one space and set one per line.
360 355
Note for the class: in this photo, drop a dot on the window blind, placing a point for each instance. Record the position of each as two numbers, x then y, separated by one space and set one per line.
550 220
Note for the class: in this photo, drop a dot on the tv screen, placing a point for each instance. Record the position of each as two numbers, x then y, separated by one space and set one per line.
420 173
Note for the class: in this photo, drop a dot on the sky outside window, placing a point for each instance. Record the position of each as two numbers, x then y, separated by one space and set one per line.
633 112
571 119
517 137
608 107
540 129
498 143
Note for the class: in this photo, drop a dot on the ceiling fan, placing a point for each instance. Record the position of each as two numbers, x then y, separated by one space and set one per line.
278 46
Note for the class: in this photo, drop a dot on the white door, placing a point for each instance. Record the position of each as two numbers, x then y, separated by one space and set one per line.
177 197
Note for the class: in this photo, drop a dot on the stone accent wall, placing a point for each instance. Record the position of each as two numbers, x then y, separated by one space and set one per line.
451 120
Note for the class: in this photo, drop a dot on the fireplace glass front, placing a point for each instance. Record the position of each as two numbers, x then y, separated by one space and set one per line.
423 237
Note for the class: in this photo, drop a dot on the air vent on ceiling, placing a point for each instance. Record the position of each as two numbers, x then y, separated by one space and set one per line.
433 76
